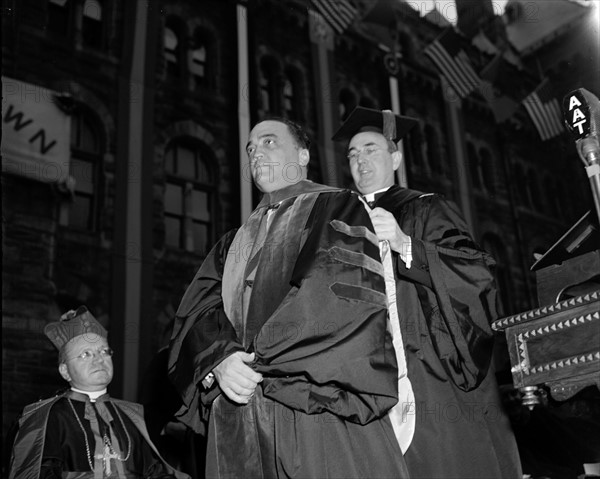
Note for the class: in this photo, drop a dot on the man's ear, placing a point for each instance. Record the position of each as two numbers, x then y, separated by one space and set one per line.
303 157
64 372
396 159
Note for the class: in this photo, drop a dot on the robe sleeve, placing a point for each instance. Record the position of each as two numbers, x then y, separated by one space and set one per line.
419 270
202 337
460 304
326 347
28 447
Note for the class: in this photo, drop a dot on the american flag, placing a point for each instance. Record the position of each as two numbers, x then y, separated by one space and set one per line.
544 110
453 63
338 13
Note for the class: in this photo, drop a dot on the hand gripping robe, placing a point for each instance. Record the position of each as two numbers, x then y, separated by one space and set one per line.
60 437
446 302
312 306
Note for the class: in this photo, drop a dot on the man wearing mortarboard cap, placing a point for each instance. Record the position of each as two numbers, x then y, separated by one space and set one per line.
83 432
444 302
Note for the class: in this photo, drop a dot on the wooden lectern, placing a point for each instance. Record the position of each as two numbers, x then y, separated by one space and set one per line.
558 344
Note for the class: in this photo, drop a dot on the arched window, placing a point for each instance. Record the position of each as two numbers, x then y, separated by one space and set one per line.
347 103
92 33
189 196
59 16
269 78
172 49
86 157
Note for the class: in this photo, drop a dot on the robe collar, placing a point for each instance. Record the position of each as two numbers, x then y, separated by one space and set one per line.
100 403
375 195
93 395
302 187
396 197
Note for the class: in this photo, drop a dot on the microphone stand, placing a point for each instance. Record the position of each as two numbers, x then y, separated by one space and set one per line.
582 118
589 152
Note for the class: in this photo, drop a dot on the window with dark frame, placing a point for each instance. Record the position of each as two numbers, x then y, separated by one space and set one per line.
189 197
199 59
269 91
172 51
289 99
92 31
73 19
86 156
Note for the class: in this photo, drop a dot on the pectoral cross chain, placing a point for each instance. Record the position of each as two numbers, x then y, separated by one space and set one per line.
108 454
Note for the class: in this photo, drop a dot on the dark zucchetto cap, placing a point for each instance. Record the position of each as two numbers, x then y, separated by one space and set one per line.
73 324
393 127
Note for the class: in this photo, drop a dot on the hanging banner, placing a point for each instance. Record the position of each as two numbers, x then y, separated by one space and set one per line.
36 133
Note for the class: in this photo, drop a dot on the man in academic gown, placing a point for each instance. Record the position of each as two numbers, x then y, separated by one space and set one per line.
281 340
83 432
445 298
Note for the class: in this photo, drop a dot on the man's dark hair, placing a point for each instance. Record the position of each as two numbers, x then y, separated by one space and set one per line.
298 134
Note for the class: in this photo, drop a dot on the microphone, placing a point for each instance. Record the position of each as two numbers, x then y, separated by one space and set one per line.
581 111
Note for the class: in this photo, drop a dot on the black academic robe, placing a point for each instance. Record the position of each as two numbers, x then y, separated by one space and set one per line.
315 316
446 302
51 440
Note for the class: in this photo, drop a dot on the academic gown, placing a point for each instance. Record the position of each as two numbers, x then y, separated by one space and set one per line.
314 313
50 442
446 303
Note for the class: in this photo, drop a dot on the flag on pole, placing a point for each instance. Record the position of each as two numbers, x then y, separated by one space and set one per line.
453 63
544 110
339 14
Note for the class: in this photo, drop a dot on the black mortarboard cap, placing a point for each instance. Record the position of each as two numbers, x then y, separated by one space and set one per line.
393 127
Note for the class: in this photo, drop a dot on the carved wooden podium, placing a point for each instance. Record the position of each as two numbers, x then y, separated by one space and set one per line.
558 344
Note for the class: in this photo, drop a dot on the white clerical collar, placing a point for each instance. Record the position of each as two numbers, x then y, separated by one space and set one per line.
371 196
92 394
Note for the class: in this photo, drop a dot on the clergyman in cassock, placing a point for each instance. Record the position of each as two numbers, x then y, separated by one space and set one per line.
281 339
445 301
84 433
